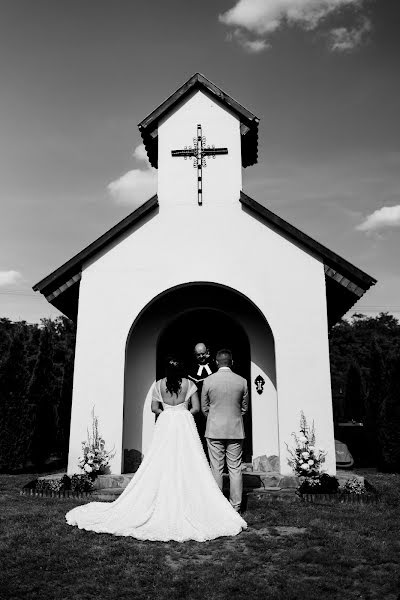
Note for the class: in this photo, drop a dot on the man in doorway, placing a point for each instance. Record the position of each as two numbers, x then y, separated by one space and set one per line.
202 367
224 401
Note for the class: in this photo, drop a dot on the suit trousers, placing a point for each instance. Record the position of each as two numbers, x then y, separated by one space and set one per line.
232 450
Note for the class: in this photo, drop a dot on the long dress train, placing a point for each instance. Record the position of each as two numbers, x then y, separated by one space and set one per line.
173 495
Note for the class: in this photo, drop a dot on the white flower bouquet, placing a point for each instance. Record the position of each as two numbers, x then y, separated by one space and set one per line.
306 459
94 458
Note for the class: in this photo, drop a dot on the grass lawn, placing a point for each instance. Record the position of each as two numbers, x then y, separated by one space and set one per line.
291 550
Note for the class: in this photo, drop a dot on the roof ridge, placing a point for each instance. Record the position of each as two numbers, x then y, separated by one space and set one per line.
148 127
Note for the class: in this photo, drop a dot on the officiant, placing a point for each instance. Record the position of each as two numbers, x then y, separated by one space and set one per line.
201 367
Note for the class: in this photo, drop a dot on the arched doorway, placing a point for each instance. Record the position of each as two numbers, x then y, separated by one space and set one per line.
217 330
176 320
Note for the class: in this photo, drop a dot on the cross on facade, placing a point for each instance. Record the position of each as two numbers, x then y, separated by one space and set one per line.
199 153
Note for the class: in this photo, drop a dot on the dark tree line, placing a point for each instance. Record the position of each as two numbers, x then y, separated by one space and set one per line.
36 369
365 375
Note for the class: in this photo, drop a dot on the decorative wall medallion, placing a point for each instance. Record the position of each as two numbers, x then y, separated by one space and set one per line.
259 382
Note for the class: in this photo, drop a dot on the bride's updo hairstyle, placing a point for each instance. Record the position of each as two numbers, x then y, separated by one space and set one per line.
173 374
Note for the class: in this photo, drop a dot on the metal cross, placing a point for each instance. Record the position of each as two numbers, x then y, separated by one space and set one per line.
199 153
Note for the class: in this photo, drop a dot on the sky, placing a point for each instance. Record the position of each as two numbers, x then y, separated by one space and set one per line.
77 76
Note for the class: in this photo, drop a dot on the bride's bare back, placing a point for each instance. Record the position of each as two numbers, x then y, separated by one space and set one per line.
174 399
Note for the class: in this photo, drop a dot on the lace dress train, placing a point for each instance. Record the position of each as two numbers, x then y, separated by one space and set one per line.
172 496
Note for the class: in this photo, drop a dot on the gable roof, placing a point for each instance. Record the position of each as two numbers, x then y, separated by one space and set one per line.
248 122
345 283
61 287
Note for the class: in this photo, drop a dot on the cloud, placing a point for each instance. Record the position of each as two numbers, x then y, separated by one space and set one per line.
252 46
9 277
264 17
387 216
137 185
140 153
255 46
134 187
344 40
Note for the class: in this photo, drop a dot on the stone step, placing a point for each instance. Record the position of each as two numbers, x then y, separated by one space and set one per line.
112 481
251 494
254 479
107 494
111 493
250 481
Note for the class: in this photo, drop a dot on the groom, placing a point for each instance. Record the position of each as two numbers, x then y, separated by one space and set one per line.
224 401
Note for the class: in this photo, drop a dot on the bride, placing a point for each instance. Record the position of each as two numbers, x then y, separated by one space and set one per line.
173 495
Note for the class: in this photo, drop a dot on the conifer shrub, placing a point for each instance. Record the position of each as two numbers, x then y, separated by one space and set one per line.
389 422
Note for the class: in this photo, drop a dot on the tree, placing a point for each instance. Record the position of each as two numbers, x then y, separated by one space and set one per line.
6 335
64 354
354 394
374 400
351 340
43 396
36 368
14 414
389 422
64 406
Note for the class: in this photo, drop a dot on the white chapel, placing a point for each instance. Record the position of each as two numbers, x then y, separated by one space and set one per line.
203 262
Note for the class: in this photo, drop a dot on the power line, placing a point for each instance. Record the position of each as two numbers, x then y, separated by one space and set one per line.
19 293
367 308
373 310
377 307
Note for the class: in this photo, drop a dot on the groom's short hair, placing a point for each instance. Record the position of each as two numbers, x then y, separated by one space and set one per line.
224 356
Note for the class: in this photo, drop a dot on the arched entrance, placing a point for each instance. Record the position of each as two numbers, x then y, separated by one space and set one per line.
217 330
175 321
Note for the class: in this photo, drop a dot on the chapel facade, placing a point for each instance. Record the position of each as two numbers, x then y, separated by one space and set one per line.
202 261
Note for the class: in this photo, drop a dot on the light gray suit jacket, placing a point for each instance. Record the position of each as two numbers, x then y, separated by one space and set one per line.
224 401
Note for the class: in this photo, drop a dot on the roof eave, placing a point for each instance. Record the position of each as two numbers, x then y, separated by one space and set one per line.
345 283
330 258
68 273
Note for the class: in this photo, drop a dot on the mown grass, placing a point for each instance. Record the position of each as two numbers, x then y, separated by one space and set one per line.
291 551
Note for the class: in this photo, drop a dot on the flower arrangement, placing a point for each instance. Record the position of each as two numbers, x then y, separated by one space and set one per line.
94 458
78 484
81 483
322 484
306 459
47 485
353 486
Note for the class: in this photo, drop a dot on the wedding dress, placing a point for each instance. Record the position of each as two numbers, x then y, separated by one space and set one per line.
173 495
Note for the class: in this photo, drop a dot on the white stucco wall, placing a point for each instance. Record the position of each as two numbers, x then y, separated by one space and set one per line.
218 242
